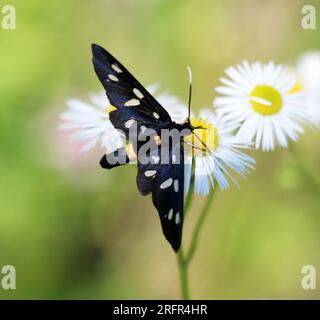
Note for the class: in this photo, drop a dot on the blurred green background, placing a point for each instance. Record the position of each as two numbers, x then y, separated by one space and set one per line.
73 230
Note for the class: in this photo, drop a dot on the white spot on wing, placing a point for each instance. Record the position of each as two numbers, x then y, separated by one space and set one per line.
116 68
112 77
176 185
170 214
132 102
150 173
156 115
166 183
129 123
177 218
138 93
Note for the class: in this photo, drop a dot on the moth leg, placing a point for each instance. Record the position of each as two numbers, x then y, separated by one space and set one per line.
205 146
193 146
119 157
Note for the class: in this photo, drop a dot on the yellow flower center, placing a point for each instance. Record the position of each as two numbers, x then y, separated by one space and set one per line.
265 100
207 136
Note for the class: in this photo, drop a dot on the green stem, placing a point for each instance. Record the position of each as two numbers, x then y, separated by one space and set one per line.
183 271
188 201
185 259
197 229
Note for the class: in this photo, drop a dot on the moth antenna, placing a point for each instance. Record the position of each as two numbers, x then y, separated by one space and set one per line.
190 92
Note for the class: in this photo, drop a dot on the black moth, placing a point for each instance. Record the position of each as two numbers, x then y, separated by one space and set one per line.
134 103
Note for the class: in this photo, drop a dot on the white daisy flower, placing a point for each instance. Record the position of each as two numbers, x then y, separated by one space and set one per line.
266 103
308 70
90 123
215 151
